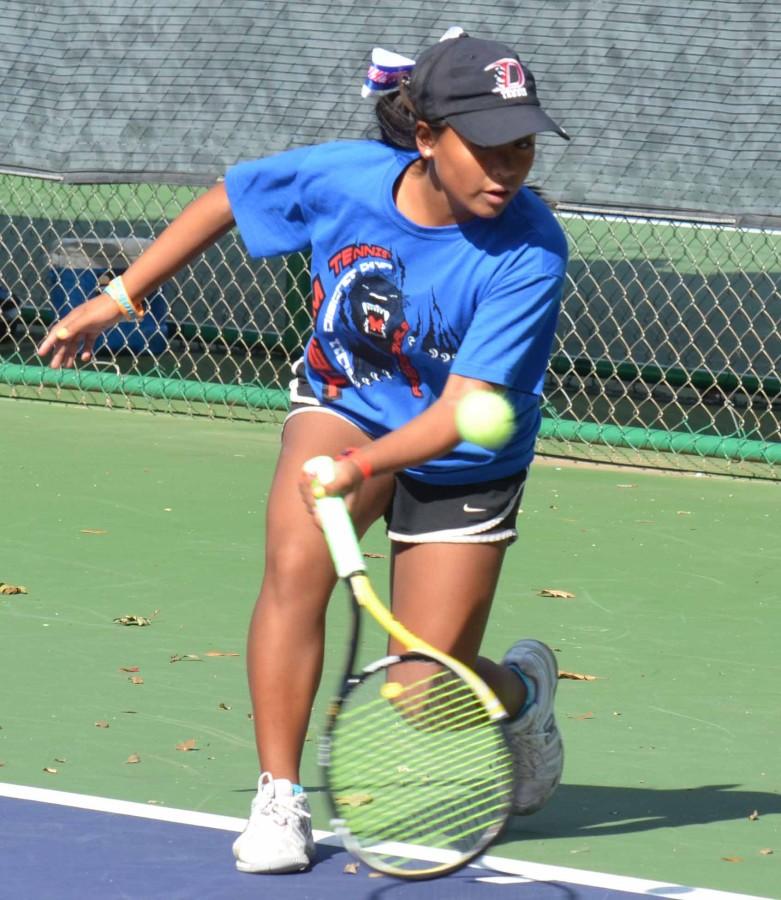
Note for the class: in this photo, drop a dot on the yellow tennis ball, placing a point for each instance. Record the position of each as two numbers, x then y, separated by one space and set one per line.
485 418
391 689
62 334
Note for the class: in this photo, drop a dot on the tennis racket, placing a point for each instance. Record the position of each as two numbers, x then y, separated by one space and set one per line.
418 772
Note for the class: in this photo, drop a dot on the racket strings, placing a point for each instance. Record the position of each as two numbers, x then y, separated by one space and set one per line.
458 758
471 820
428 703
423 707
420 763
452 828
448 719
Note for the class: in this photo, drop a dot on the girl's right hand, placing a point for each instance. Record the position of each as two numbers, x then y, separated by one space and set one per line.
79 328
347 478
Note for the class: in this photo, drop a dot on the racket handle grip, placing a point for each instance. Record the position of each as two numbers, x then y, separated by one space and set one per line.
335 520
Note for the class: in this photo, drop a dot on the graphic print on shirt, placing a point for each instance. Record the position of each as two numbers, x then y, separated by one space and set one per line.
368 318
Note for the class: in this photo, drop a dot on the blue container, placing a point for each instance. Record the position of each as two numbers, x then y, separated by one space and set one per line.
78 269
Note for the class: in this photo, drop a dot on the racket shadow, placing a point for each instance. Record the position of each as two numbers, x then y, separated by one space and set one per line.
468 884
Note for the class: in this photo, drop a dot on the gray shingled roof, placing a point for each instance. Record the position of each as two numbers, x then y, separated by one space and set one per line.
671 104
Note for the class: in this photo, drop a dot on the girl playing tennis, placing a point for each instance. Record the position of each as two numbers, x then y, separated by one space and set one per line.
434 272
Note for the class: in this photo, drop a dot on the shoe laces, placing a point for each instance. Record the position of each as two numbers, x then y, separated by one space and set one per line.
281 809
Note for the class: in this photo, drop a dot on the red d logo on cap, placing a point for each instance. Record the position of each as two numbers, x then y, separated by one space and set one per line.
509 77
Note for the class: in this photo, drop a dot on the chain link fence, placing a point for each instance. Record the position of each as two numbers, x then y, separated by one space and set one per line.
667 351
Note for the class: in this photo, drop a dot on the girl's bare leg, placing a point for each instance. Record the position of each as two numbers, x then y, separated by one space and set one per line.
443 593
286 637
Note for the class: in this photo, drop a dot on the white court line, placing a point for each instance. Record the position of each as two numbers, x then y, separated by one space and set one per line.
514 871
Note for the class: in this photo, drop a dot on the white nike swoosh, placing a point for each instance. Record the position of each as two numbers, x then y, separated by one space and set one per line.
468 508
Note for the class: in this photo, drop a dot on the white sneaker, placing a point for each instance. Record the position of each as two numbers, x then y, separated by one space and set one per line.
534 738
278 835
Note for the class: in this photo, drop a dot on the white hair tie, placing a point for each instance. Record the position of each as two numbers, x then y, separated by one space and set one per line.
388 69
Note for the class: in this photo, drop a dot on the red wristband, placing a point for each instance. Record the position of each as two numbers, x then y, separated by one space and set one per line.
354 455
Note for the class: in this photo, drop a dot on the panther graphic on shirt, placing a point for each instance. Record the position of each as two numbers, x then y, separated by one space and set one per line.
368 317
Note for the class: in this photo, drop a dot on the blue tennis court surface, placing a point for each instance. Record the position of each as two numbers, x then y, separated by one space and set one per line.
62 846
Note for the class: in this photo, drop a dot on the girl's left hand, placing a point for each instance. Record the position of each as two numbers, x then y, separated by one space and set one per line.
79 329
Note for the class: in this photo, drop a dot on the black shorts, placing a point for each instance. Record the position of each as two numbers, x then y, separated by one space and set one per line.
485 512
420 512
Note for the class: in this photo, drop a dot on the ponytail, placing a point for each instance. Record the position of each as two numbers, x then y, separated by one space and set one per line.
396 119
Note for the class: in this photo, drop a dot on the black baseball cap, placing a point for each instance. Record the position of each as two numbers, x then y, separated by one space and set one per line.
481 89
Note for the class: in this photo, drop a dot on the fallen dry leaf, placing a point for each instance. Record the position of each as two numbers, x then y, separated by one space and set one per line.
352 868
587 715
58 760
221 653
353 800
577 676
133 758
626 485
753 816
136 620
766 851
9 589
374 555
128 668
223 706
185 657
49 770
93 531
732 859
555 592
136 679
101 723
375 874
190 744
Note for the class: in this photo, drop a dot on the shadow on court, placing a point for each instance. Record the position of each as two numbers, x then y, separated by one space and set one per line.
581 810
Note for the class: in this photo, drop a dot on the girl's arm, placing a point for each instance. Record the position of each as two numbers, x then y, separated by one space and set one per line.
428 436
199 225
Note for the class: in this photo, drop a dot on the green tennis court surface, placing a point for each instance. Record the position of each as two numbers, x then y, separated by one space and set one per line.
672 768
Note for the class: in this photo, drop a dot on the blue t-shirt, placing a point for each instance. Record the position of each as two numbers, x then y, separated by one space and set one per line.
399 306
